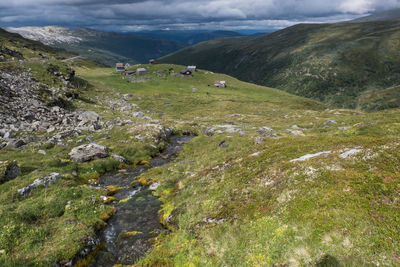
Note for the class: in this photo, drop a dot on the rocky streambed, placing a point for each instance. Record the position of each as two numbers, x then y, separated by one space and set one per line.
126 237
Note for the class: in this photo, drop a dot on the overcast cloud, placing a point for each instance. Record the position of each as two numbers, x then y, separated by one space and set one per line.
132 15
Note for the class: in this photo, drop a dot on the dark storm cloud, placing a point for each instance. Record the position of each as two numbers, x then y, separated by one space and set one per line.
149 14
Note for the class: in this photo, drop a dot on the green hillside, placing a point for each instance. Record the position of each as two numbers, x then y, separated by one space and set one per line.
239 194
333 63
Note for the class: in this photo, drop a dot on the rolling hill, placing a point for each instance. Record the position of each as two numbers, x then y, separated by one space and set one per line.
104 47
333 63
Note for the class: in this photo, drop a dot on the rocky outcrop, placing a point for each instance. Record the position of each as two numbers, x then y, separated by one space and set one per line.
9 170
25 107
266 131
88 152
89 120
45 181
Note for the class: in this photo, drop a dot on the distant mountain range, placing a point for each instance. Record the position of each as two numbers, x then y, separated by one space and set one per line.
352 64
111 47
104 47
189 37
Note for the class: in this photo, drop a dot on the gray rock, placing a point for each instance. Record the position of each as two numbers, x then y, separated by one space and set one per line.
330 122
266 131
42 152
15 143
138 114
88 152
45 181
223 144
119 158
294 132
209 131
258 140
8 135
9 171
88 116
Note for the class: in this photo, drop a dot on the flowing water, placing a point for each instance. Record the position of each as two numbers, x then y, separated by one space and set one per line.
126 237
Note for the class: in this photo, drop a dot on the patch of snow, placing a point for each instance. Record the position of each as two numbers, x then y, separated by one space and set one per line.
309 156
49 35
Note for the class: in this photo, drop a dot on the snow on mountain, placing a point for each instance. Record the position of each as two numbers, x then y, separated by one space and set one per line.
49 35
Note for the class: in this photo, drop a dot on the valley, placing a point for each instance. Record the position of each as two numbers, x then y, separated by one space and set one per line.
334 63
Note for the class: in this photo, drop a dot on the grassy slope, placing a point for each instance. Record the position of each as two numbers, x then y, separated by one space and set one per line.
326 209
333 63
40 230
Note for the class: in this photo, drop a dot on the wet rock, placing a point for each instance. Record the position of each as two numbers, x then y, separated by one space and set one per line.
266 131
9 171
154 186
88 152
45 181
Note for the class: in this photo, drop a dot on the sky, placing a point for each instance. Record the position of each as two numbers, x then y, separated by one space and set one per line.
139 15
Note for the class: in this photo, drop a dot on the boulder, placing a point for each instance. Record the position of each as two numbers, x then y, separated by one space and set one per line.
88 152
9 171
209 131
89 116
266 131
45 181
294 132
119 158
15 143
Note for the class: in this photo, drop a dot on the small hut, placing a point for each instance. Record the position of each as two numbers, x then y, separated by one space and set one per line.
127 65
192 68
153 62
141 71
220 84
119 67
186 72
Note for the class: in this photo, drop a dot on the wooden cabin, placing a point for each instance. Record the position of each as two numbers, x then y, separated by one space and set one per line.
153 62
220 84
192 68
119 67
186 72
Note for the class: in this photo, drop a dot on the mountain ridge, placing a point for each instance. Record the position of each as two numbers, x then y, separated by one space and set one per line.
333 63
